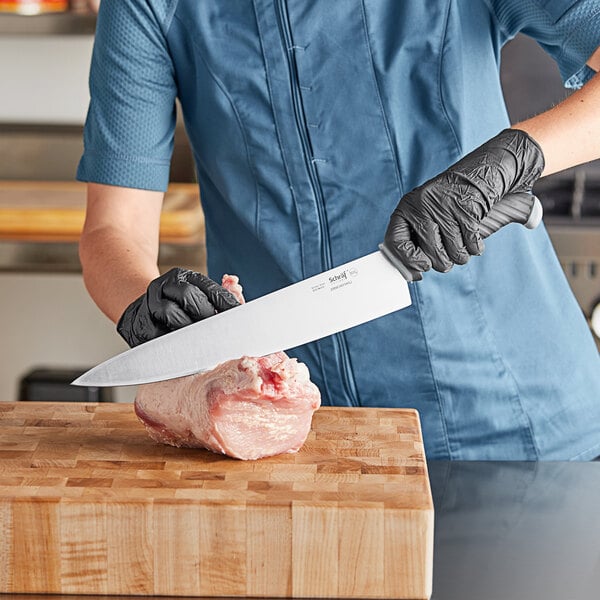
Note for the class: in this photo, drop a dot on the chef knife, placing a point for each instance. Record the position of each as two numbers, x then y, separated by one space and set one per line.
333 301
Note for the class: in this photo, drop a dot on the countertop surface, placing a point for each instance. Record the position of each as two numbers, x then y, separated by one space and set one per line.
516 530
511 531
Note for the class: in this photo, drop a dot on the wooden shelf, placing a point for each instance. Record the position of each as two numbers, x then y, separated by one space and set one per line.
55 211
47 24
40 224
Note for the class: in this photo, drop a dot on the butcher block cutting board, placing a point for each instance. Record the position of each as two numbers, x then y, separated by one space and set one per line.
89 504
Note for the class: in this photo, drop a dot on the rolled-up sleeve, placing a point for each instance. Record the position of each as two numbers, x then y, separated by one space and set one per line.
569 30
128 134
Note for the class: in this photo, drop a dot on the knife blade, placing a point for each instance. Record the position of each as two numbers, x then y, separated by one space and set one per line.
332 301
343 297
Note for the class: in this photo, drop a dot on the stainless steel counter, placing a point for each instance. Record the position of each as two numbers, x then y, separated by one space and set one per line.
520 530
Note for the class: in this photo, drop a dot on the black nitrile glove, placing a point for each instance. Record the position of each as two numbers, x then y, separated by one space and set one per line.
173 300
436 224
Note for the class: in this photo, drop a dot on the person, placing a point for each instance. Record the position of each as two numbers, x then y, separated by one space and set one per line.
321 128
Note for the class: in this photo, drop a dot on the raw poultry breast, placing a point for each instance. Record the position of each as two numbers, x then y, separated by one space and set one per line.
247 408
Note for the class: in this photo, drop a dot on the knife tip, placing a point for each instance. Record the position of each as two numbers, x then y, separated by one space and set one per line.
87 379
79 381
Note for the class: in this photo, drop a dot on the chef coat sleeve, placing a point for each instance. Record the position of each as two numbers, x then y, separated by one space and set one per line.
569 30
128 135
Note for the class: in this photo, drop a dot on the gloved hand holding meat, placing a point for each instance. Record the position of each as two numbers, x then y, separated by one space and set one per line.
173 300
436 224
247 408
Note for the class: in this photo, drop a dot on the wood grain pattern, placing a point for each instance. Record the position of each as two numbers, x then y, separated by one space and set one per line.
90 505
55 210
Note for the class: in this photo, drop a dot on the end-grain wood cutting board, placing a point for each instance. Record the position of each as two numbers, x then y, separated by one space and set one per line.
90 505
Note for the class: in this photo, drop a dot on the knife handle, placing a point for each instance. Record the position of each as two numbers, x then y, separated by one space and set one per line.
521 207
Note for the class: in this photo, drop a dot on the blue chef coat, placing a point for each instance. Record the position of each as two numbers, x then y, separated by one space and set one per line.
309 121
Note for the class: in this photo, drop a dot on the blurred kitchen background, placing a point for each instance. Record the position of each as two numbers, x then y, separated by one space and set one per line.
50 328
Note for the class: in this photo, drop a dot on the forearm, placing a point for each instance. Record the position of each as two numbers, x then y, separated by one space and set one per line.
119 251
115 272
569 133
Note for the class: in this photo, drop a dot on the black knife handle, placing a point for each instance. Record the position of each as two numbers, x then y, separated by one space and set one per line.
521 207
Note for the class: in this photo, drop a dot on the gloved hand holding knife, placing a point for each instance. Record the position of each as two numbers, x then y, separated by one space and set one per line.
437 224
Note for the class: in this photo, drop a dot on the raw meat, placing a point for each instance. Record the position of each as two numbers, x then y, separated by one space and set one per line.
247 408
232 283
